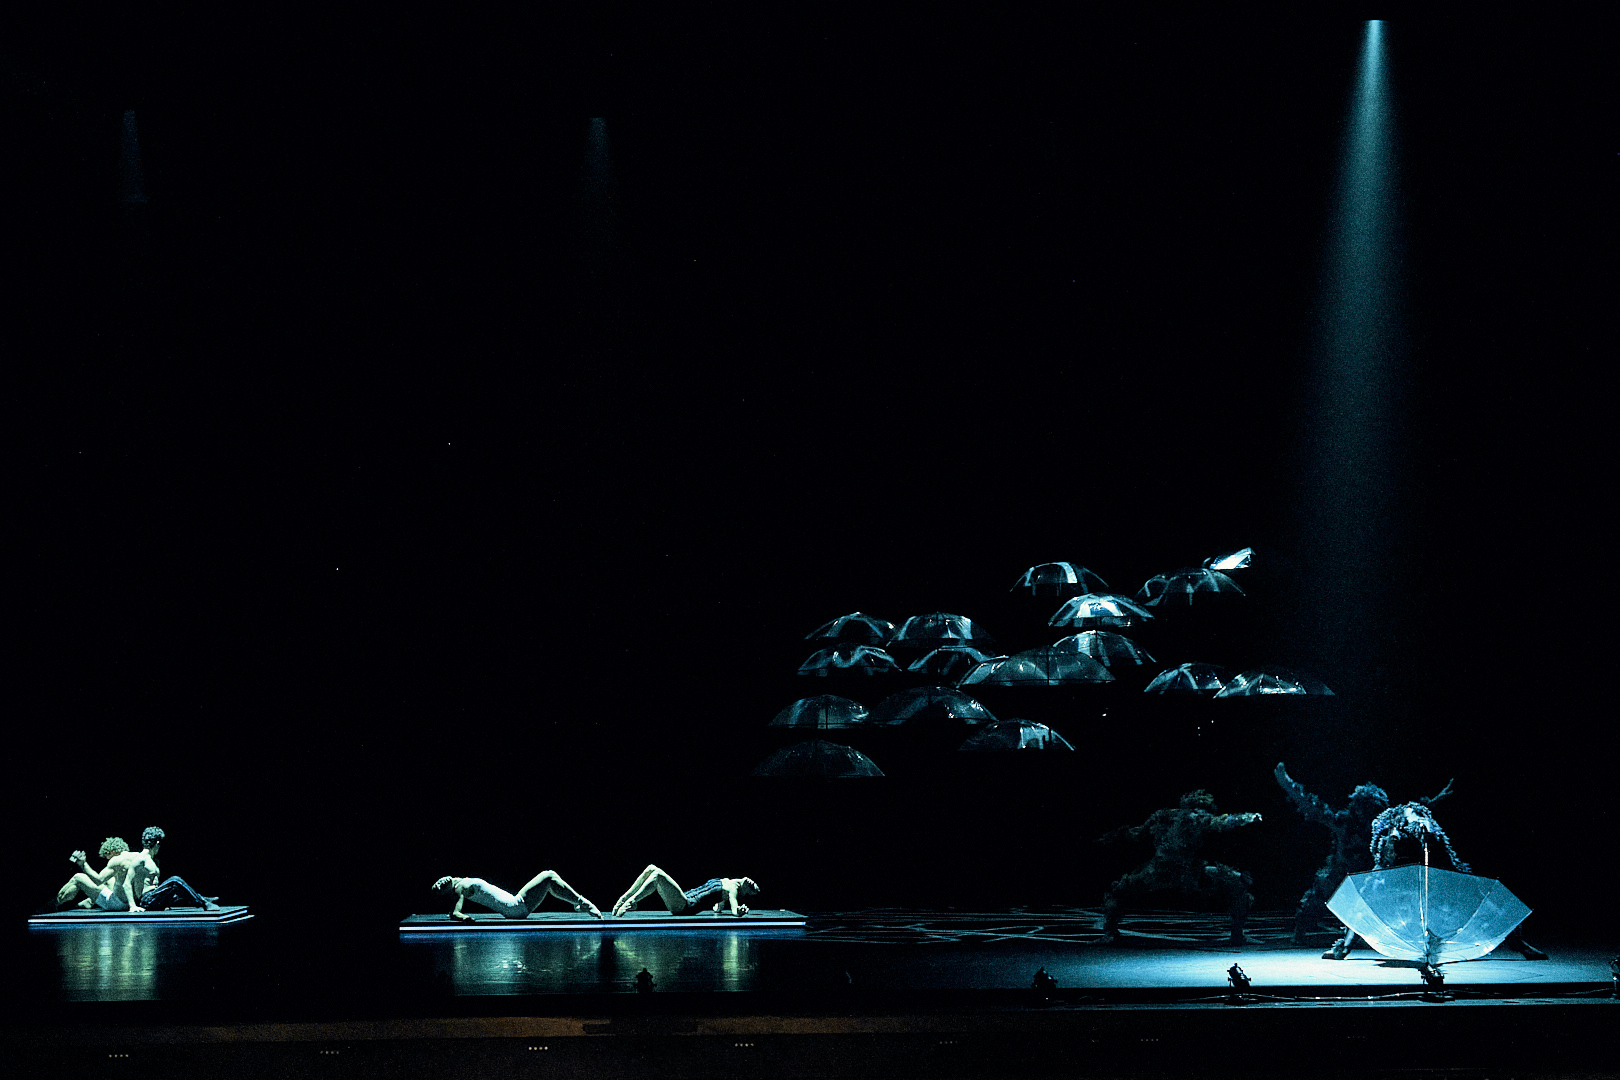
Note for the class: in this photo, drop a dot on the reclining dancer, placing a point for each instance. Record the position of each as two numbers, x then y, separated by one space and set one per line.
723 891
1177 865
172 892
544 884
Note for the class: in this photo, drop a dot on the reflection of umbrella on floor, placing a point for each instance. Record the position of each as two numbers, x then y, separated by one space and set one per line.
856 627
1037 667
930 703
1194 678
1272 680
1163 590
1059 579
937 629
1423 913
1099 609
948 661
1105 647
818 758
850 660
824 711
1016 735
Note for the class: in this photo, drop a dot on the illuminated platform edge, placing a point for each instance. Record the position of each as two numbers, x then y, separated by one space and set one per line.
632 920
225 913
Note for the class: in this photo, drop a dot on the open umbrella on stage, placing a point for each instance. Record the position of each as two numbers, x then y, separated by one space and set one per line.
1179 588
1099 609
849 660
1059 579
818 758
823 711
1016 735
1426 914
1192 678
855 628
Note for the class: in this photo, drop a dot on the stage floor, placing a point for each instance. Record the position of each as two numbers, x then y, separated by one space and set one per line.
1162 956
854 994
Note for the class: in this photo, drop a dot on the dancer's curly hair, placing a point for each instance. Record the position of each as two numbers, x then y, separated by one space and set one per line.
1390 820
113 845
150 835
1370 793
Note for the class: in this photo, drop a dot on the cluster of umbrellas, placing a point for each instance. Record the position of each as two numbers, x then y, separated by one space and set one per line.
953 649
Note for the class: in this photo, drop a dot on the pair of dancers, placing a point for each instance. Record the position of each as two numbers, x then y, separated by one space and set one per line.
725 893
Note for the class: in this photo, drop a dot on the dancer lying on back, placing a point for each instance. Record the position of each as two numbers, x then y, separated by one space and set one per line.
544 884
723 891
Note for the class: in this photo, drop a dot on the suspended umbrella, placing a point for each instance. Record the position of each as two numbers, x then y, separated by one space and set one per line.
948 661
849 660
1037 667
1015 735
856 627
1059 579
1423 913
1272 680
1163 590
930 703
1193 678
1099 609
938 629
1107 648
1232 560
823 711
818 758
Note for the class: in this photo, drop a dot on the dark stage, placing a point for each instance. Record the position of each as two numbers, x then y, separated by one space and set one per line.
434 441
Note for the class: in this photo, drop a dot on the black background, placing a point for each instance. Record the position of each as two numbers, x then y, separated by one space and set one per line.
388 509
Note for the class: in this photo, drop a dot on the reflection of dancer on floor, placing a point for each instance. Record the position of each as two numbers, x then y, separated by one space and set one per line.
544 884
724 891
1177 866
1401 835
1348 854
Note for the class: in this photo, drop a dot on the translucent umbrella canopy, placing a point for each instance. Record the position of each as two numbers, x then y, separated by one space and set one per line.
1099 609
1059 579
1424 913
1180 587
1192 678
818 758
1038 667
930 703
948 661
1016 735
1107 648
823 711
849 660
1258 682
856 628
1232 560
937 629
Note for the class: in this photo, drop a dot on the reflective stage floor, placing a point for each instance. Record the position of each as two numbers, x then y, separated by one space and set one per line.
874 980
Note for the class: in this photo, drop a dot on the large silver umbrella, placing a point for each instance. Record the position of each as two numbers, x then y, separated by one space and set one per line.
1262 681
818 758
1059 579
936 629
1038 667
856 628
1423 913
948 662
1099 609
930 703
1016 735
1107 648
1180 587
849 660
823 711
1192 678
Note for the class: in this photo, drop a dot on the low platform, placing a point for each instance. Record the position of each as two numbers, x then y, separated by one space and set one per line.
225 913
769 919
